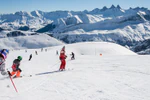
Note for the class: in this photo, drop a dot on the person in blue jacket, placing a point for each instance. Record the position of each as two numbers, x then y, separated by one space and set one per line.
3 56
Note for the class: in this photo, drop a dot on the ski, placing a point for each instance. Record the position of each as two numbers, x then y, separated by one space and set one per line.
26 76
69 69
22 76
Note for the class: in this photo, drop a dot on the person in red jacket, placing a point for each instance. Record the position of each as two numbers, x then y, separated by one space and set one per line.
62 58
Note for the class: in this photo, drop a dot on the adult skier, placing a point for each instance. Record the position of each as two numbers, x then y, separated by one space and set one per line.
3 56
36 53
15 67
62 58
72 56
30 57
57 52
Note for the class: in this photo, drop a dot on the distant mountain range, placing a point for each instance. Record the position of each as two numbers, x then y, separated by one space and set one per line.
114 24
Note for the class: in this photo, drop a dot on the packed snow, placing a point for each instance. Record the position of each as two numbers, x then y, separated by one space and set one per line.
117 74
29 42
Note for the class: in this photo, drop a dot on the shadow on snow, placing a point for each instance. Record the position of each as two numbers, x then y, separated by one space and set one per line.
48 72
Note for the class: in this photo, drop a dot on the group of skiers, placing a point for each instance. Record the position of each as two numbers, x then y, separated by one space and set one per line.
15 67
16 63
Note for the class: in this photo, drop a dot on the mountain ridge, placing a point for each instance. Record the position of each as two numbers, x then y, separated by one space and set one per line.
40 17
114 24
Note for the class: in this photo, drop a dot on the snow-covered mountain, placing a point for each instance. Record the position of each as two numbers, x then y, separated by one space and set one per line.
114 24
142 47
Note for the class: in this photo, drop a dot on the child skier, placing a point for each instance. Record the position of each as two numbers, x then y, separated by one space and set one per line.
3 56
15 67
62 58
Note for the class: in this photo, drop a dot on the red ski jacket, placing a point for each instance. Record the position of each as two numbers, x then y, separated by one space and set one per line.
62 56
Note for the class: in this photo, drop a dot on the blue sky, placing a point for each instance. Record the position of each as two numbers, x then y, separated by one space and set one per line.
11 6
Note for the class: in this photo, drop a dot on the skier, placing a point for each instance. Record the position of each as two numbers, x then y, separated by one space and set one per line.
15 67
72 56
3 56
45 50
30 57
41 49
36 53
62 58
57 52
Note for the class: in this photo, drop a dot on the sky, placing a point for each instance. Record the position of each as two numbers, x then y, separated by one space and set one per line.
11 6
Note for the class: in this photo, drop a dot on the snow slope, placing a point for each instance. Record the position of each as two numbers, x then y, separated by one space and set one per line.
121 76
97 48
29 42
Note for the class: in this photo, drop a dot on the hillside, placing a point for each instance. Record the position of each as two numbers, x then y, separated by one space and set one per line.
29 42
97 48
142 47
88 77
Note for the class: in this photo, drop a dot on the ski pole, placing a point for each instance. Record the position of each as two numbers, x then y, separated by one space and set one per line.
55 64
12 82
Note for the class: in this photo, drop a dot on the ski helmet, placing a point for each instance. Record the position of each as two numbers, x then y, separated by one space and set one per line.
63 48
4 53
19 58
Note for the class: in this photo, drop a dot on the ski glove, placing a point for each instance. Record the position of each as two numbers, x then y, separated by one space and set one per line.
19 69
9 73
